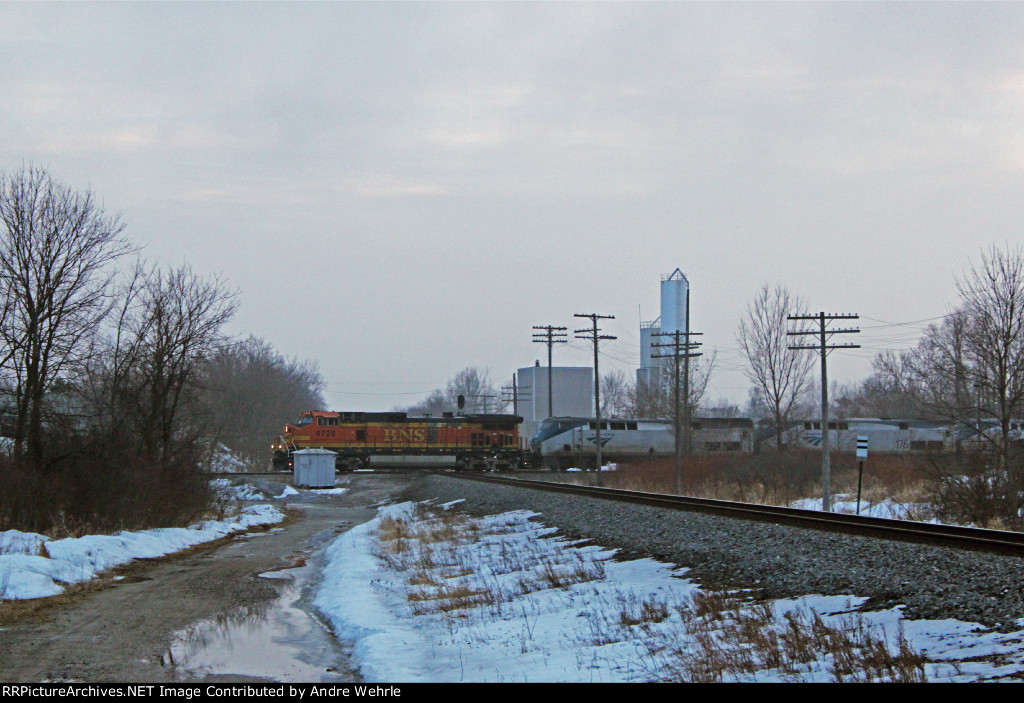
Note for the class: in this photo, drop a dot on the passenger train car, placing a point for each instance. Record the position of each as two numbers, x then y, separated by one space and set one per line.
563 442
884 435
366 439
904 435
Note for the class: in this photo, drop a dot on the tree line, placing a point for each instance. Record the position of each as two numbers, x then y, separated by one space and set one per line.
118 381
967 370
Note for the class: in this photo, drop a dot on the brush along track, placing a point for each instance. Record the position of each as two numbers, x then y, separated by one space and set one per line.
996 541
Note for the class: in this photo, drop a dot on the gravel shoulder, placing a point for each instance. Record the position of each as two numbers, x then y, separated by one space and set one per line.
120 630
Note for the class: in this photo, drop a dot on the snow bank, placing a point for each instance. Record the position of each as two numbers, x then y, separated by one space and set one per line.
586 631
34 566
224 461
243 491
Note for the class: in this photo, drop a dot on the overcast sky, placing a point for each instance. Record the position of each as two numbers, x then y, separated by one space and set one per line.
400 190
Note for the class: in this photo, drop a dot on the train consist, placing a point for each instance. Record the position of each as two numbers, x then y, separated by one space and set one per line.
492 442
563 442
904 435
364 439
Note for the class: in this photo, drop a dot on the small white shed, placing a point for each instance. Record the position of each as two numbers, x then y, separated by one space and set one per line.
314 468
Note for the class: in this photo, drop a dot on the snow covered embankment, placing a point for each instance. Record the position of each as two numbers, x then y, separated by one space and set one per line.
429 594
34 566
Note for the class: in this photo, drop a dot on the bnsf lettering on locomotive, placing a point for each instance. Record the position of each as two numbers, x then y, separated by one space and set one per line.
404 434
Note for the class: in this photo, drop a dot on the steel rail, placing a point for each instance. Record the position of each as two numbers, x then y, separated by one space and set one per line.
971 538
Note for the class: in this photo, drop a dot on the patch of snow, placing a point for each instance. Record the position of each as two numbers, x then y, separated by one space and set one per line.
243 491
78 559
224 461
17 542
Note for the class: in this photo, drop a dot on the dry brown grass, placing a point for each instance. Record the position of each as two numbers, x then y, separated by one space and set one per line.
712 635
722 640
769 479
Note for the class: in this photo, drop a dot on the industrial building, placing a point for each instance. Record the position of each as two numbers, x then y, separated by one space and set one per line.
572 393
675 314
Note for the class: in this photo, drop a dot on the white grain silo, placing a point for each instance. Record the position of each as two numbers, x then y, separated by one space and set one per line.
675 290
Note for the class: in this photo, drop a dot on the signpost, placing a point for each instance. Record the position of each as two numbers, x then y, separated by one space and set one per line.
862 454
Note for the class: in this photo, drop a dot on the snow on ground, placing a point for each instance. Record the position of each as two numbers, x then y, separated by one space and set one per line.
888 508
224 461
230 491
432 598
34 566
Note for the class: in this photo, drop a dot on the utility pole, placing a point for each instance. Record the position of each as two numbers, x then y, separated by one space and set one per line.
550 336
823 348
514 393
485 397
682 349
592 334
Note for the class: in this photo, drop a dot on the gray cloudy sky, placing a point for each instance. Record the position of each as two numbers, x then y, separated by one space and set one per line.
399 190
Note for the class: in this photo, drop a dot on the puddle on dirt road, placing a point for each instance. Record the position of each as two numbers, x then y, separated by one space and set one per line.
278 641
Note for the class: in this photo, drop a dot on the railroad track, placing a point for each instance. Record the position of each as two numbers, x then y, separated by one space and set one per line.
998 541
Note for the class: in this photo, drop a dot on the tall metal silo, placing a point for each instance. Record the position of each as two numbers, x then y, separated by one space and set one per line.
674 290
647 350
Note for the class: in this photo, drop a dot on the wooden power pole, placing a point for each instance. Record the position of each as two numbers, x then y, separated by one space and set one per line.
592 334
551 336
682 351
823 348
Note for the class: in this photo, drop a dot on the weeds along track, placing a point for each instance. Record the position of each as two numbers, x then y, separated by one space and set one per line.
969 538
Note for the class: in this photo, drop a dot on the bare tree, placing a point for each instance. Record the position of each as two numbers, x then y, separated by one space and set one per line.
649 400
252 390
474 384
972 365
434 404
174 323
614 394
993 304
56 247
884 393
779 375
480 392
722 407
652 400
970 369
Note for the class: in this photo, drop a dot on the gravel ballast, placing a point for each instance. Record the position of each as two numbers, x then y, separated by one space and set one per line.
778 561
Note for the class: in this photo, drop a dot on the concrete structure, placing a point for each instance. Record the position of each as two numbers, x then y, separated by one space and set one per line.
571 386
314 468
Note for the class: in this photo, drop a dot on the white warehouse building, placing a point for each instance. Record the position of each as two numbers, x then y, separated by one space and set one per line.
572 390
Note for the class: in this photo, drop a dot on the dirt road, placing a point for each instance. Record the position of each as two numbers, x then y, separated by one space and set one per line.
173 619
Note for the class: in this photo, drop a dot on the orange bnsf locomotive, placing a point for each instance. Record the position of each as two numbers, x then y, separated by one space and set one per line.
366 439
